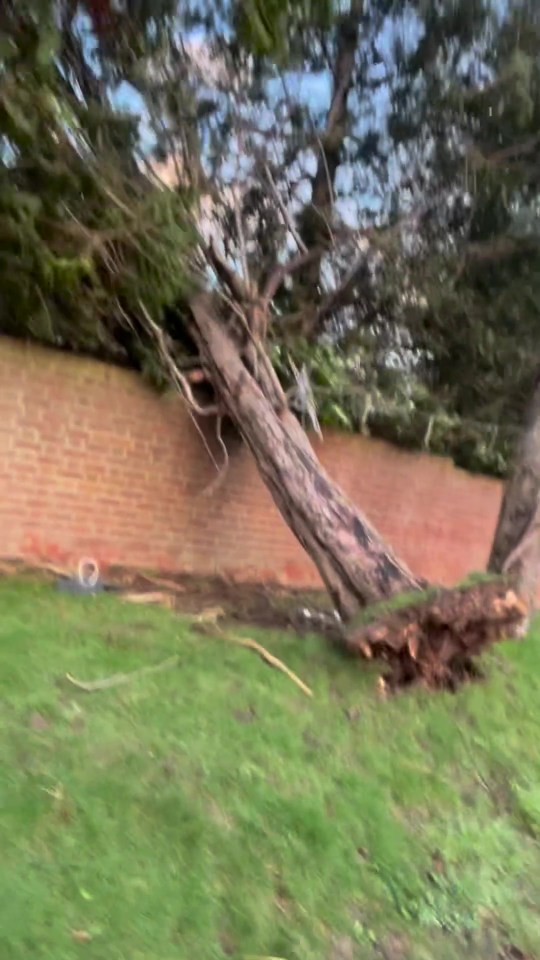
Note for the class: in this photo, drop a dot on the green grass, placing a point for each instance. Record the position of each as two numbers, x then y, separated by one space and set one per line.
212 810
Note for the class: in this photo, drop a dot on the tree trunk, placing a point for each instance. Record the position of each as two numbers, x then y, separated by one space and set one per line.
355 564
516 546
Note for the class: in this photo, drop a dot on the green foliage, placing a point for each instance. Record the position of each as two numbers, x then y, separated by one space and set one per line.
354 394
464 344
478 325
213 810
84 236
269 28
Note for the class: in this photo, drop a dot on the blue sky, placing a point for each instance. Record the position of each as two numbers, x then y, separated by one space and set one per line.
309 89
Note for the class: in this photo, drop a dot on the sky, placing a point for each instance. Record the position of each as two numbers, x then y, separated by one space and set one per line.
311 89
314 89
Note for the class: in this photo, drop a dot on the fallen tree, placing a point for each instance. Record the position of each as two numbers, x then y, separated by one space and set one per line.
355 564
239 264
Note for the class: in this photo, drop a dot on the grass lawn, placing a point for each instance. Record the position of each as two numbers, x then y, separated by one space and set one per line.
213 811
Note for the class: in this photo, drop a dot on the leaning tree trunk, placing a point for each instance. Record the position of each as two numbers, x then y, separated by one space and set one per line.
355 564
516 546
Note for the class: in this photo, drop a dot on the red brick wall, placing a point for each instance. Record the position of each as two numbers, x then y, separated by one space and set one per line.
93 462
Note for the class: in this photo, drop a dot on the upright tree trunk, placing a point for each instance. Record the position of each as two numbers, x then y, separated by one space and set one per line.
516 546
356 566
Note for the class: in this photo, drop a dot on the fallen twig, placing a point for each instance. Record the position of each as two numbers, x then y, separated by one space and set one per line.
15 567
118 679
149 598
269 658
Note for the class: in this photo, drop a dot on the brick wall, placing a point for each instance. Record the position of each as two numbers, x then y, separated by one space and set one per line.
93 462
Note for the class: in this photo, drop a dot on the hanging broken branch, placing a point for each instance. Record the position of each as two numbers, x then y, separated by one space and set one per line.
180 381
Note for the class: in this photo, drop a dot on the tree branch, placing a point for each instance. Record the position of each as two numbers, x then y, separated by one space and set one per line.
283 270
180 381
332 139
225 273
499 249
288 220
511 153
342 296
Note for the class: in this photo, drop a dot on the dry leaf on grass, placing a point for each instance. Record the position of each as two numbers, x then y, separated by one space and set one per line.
81 936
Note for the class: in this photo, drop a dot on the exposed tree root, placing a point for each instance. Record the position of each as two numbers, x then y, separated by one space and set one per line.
434 638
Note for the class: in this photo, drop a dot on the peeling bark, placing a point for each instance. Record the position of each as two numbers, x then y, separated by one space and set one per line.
516 545
355 564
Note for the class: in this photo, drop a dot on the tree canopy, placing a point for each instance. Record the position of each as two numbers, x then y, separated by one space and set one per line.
366 173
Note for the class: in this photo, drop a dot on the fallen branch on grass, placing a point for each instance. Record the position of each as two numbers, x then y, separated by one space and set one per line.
11 568
264 654
118 679
271 660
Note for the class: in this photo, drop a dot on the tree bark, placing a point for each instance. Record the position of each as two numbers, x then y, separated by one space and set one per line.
355 564
516 545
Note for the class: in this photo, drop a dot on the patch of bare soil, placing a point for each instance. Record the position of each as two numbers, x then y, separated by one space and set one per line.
263 605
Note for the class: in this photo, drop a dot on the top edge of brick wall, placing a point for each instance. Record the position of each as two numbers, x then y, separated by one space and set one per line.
76 365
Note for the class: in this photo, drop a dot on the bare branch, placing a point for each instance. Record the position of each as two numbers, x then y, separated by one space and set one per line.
225 273
329 182
177 378
302 397
507 154
289 223
283 270
500 248
341 296
217 482
182 384
332 139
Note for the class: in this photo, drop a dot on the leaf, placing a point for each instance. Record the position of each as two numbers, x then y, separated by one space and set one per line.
338 414
49 42
81 936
